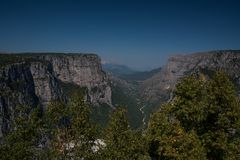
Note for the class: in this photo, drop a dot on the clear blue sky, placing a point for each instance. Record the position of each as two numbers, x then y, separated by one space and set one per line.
140 34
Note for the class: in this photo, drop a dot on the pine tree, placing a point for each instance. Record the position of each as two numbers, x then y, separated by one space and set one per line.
168 139
207 111
23 141
222 124
72 134
84 132
57 126
121 142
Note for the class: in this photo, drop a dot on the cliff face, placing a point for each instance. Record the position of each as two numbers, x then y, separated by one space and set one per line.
25 84
34 80
159 87
83 70
46 85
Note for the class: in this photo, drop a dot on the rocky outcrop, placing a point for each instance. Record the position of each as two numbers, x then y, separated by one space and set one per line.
25 83
83 70
34 79
159 87
46 85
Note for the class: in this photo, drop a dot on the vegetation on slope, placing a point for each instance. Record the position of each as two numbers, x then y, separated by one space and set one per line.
99 114
202 122
119 98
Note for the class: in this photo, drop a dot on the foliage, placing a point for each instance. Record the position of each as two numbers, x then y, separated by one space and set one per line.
71 131
83 130
57 128
100 114
202 122
121 141
7 59
119 98
206 113
23 141
71 89
168 139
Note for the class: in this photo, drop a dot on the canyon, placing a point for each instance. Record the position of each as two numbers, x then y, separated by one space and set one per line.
37 78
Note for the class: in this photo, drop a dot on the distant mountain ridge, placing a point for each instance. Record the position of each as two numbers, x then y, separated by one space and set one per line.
126 73
140 76
117 69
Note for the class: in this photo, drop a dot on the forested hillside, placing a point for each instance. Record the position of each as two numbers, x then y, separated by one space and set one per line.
201 122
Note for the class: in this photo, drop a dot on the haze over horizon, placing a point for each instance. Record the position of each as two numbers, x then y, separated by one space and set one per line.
140 34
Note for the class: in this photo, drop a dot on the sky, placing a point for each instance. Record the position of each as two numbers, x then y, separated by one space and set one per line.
139 33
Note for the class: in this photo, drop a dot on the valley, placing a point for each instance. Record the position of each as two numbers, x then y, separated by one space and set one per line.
153 88
119 80
38 78
144 116
72 93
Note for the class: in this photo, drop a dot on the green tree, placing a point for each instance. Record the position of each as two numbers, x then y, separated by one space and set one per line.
84 132
221 126
168 139
121 141
72 134
206 111
58 130
23 141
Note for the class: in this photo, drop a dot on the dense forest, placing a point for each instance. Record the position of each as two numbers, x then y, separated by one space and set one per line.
201 122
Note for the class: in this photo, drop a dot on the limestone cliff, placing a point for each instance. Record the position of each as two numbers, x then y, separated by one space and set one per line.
34 79
46 85
83 70
25 83
158 88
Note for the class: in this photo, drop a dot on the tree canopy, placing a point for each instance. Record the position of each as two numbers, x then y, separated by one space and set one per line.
24 141
202 122
121 141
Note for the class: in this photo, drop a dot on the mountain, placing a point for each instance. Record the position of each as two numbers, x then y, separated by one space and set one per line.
36 79
139 76
117 69
126 73
125 92
148 90
159 88
125 83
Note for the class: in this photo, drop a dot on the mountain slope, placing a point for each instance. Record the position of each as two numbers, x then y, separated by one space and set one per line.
125 93
139 76
126 73
117 69
157 89
36 79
